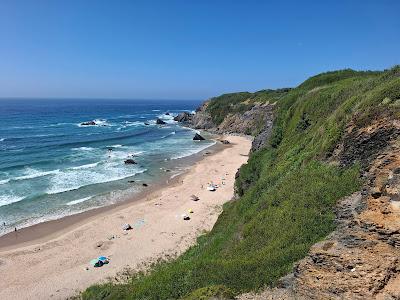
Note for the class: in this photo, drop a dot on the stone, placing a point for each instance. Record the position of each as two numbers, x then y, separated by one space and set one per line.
198 137
130 162
89 123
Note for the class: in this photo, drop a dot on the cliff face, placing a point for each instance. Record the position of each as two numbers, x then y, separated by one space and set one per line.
256 121
361 258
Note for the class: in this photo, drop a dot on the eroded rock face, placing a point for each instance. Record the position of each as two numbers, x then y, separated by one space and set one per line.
202 119
363 143
257 121
361 258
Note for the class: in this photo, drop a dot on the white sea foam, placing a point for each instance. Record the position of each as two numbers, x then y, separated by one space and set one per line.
136 123
87 166
33 173
169 134
79 200
2 139
169 119
10 198
73 180
98 123
4 181
155 110
83 149
190 152
115 146
175 175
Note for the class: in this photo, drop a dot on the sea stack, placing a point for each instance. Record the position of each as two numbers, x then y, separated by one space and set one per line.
198 137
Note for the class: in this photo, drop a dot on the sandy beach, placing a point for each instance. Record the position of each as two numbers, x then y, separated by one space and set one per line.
55 266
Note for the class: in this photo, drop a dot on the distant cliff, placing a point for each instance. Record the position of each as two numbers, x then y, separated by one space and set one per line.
238 113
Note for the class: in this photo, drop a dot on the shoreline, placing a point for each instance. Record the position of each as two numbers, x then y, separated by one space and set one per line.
45 231
57 265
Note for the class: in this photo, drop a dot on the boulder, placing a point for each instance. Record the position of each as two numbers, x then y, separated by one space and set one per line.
130 162
226 142
167 113
160 122
145 184
183 117
198 137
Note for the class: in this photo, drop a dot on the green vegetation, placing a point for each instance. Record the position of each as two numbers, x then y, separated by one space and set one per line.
286 191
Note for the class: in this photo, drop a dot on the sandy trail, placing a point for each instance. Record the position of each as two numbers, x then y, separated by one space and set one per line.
56 269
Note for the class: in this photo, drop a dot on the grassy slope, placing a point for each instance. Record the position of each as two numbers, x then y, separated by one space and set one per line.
288 206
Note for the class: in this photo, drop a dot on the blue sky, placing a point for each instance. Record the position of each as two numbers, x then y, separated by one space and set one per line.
186 49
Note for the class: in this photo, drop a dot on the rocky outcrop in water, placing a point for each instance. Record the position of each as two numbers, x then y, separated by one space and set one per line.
89 123
198 137
130 162
183 117
160 122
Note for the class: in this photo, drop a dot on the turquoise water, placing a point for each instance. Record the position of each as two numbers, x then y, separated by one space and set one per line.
52 166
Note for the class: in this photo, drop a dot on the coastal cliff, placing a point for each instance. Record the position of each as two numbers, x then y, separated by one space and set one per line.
317 212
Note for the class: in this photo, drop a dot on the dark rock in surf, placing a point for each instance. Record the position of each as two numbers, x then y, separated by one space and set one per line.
89 123
160 122
145 123
167 113
130 162
145 184
183 117
198 137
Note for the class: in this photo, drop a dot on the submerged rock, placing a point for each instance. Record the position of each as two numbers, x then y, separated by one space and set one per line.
198 137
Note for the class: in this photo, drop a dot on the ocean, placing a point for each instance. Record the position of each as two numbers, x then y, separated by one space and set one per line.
52 166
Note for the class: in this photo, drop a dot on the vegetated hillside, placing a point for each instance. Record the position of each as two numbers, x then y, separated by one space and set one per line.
287 190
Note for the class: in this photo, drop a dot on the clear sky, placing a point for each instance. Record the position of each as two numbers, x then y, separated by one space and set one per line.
186 49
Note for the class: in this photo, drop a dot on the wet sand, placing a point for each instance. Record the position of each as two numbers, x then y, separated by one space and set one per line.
50 260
